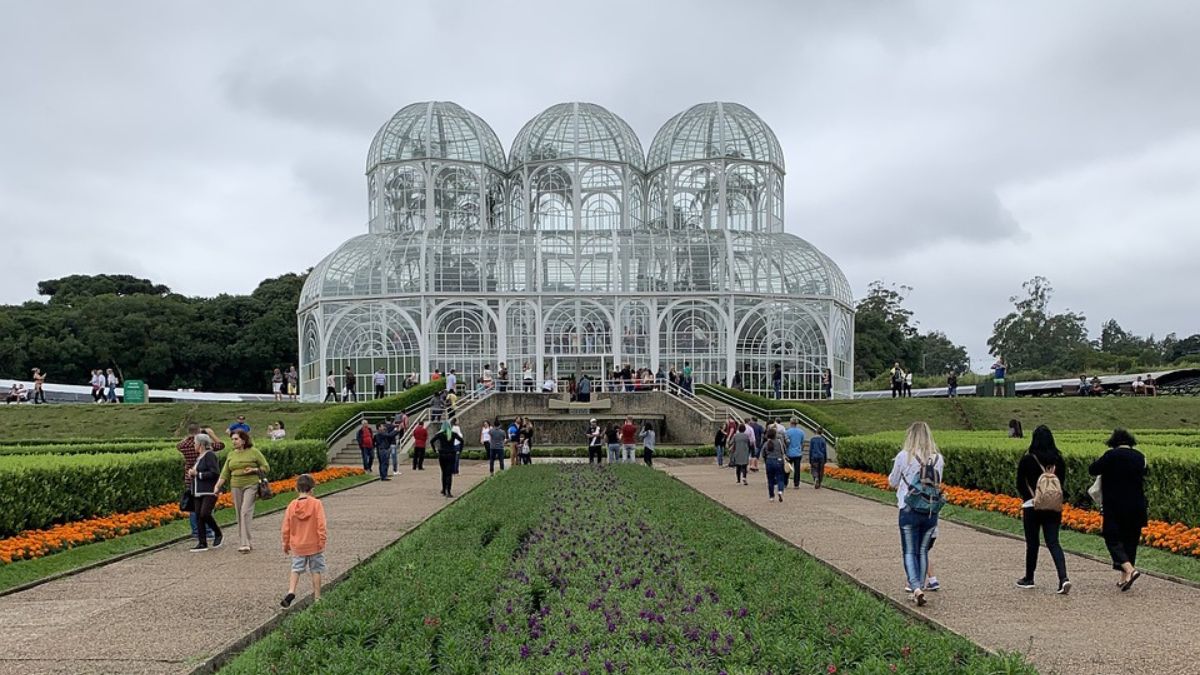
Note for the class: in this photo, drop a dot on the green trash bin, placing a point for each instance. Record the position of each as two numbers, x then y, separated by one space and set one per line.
135 391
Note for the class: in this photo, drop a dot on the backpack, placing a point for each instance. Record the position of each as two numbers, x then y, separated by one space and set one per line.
1047 494
925 491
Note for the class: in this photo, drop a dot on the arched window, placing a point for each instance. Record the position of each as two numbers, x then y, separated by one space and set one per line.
456 199
404 198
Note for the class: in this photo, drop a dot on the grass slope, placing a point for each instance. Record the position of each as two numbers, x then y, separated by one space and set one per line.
1164 412
151 420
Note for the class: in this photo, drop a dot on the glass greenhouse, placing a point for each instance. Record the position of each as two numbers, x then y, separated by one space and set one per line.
577 253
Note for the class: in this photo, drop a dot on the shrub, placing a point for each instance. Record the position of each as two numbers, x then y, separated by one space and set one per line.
43 489
987 461
319 425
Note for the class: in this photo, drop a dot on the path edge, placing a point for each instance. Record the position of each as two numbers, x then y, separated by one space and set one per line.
231 651
140 551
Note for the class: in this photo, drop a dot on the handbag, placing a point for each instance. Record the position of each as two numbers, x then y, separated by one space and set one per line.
1096 493
187 501
264 488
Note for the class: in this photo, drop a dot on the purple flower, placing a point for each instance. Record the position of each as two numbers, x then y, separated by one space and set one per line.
524 651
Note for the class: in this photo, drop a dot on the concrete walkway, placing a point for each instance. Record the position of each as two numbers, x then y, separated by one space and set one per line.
1095 630
170 610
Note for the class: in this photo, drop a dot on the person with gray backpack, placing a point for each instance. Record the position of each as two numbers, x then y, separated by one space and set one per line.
1041 474
917 478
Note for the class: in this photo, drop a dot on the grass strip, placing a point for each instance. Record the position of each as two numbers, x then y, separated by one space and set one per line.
1150 559
25 572
559 568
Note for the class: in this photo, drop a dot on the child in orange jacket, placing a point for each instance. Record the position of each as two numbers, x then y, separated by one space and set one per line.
304 538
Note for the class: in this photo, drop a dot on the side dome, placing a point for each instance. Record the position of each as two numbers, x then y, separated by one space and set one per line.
437 130
577 131
715 130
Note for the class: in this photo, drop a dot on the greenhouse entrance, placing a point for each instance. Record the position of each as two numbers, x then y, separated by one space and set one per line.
597 368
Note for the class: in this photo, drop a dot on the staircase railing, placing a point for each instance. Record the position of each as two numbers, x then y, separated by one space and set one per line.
690 400
772 414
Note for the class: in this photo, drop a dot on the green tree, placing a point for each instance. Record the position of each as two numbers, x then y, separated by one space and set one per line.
939 355
884 331
1031 337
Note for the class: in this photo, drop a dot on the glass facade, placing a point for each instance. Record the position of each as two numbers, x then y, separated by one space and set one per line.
577 253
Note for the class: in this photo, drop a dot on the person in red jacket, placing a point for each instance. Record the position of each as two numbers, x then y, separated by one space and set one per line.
628 438
366 445
304 538
420 436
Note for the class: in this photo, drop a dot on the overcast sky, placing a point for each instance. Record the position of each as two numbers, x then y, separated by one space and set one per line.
956 147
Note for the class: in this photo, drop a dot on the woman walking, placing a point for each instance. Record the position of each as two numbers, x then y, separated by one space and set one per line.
773 455
647 436
817 454
443 443
719 445
205 475
917 475
739 455
1042 510
1122 472
243 468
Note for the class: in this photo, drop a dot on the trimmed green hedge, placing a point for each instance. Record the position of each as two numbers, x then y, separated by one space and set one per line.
94 448
6 444
40 490
664 453
984 461
319 425
819 416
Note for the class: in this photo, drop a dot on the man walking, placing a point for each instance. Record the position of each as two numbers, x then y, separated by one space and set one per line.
351 385
380 382
495 448
420 440
628 438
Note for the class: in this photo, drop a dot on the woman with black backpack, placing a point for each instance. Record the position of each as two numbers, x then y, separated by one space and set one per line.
1041 475
917 477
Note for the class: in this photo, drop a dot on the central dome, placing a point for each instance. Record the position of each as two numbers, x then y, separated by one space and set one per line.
577 131
713 130
436 130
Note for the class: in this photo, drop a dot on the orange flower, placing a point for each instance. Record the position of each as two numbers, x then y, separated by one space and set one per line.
1174 537
37 543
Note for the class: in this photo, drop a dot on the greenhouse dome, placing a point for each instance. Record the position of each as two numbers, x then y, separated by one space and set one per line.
571 258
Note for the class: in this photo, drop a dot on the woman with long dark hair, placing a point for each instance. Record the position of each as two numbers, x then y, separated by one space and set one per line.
1122 472
1042 459
443 443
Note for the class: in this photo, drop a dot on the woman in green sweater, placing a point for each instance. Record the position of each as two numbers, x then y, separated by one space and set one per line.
243 468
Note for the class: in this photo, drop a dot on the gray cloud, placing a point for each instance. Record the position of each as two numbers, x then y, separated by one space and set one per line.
959 147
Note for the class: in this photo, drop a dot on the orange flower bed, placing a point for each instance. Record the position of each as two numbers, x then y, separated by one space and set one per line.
37 543
1173 537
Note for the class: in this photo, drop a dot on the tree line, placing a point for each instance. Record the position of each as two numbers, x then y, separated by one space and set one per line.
1035 342
145 331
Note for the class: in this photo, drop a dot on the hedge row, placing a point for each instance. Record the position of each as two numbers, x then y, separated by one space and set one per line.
20 442
829 422
664 452
97 447
40 490
989 463
319 425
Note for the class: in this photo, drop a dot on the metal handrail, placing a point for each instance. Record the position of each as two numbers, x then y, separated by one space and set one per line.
689 399
767 413
358 417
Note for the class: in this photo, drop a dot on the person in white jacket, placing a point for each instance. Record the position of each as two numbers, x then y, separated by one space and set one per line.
917 462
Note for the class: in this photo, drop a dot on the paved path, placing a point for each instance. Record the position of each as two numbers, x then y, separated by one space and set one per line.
1096 630
169 610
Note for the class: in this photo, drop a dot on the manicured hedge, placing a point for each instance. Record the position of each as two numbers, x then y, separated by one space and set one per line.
666 453
319 425
39 490
97 447
819 416
986 461
12 443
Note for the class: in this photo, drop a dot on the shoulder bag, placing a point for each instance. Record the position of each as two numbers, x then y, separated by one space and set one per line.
1097 493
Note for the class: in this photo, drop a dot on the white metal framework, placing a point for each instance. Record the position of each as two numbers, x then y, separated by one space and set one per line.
577 254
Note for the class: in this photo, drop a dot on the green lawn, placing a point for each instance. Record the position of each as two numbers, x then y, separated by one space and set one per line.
1164 412
26 571
1152 559
152 420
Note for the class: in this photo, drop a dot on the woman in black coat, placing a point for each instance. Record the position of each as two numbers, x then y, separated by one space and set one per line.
1122 472
443 442
1043 456
205 474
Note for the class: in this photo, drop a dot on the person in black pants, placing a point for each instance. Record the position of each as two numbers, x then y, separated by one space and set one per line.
1043 457
1122 472
443 443
204 475
595 443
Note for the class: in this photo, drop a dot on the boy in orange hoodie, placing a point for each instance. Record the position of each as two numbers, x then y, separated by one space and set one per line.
304 538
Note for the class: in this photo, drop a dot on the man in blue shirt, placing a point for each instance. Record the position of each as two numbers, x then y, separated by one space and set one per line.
795 451
239 425
817 453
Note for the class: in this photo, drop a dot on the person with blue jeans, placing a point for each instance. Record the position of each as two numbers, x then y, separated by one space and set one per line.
383 440
917 528
187 448
366 445
795 452
773 457
817 454
719 444
496 447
